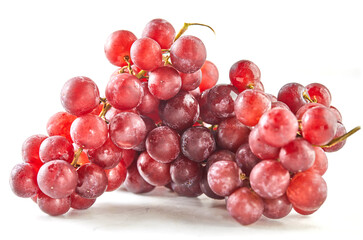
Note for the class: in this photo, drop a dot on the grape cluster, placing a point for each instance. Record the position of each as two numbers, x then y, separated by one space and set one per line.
165 123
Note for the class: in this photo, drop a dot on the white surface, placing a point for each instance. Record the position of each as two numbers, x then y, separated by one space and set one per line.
44 43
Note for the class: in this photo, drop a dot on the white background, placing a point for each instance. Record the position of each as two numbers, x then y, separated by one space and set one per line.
44 43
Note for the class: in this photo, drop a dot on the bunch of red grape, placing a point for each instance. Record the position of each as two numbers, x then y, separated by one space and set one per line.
165 122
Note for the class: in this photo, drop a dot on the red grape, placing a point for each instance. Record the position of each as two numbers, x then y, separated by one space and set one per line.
205 188
127 130
319 93
57 179
89 131
340 132
245 206
269 179
245 158
244 74
135 183
250 105
191 189
107 156
231 134
124 91
146 54
163 144
56 148
321 162
210 76
30 149
23 180
53 206
278 127
80 95
191 81
118 45
150 125
206 114
292 95
277 208
92 181
149 102
161 31
184 170
115 176
221 100
164 82
261 149
307 191
128 157
197 143
188 54
337 113
60 124
153 172
80 203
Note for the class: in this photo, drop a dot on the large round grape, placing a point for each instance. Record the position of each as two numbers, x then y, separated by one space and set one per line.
53 206
244 74
188 54
154 172
23 180
164 82
161 31
92 181
30 149
210 76
56 148
146 54
80 95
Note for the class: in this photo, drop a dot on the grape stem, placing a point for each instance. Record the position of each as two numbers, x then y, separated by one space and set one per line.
307 98
341 138
76 156
127 60
185 27
243 176
140 74
105 108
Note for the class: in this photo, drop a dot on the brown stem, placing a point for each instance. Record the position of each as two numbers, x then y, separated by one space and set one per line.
185 27
341 138
76 156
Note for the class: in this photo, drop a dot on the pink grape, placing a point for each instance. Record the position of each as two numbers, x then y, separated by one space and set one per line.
53 206
118 45
340 132
269 179
278 127
80 95
57 179
210 76
56 148
191 81
115 176
89 131
188 54
321 162
250 105
127 130
23 180
245 206
60 124
30 149
277 208
146 54
320 93
261 149
205 188
124 91
92 181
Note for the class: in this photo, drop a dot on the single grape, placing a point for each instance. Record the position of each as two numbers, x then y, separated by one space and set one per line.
297 156
292 95
188 54
244 74
53 206
80 95
269 179
261 149
307 191
337 113
161 31
23 180
277 208
205 188
163 144
245 206
179 112
124 91
191 81
340 132
250 105
164 82
89 131
92 181
221 100
319 93
245 158
190 189
115 176
107 156
30 149
224 177
60 125
146 54
57 179
56 148
231 134
149 102
135 183
210 76
184 170
197 143
206 115
127 130
153 172
80 203
321 162
278 127
118 45
318 125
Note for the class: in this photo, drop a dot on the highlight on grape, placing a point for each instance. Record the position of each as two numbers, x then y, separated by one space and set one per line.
165 122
